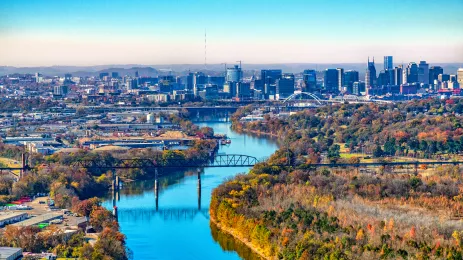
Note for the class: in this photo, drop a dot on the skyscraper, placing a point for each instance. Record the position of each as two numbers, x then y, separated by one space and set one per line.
331 80
199 80
412 73
350 77
270 76
309 79
398 76
234 74
388 63
383 78
460 77
434 73
285 86
370 75
340 78
423 72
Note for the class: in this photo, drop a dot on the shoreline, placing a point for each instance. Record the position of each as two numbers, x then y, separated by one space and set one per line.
241 239
243 130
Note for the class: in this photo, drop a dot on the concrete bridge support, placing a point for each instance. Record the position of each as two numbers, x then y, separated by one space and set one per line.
199 189
156 188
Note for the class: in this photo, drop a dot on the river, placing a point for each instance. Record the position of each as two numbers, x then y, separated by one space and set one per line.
180 227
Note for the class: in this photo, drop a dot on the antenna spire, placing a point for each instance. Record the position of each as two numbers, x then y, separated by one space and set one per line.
205 49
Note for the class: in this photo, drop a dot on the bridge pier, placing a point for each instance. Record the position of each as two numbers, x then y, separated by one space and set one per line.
199 189
156 188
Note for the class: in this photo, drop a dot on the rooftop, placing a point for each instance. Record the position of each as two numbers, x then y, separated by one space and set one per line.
39 219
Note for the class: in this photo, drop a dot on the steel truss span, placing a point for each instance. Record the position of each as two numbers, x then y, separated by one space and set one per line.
228 160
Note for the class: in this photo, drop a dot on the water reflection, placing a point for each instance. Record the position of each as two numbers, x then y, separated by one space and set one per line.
228 243
178 226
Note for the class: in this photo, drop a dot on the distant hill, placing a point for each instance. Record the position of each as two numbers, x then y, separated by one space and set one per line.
180 69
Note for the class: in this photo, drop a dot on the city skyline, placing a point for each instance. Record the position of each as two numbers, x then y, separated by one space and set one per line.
36 33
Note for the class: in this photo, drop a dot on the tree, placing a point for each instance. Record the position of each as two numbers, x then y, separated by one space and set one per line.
334 153
389 146
100 217
378 152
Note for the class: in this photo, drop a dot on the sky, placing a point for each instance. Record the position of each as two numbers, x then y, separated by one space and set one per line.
98 32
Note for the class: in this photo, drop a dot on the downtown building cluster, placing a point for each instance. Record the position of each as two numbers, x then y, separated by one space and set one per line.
235 84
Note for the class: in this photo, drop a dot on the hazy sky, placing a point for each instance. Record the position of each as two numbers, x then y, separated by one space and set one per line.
92 32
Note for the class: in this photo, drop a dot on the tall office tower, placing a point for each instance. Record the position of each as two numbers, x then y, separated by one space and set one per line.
388 64
443 77
460 77
350 77
60 90
136 74
38 77
340 78
285 86
412 73
404 76
189 81
270 76
331 80
216 80
423 72
398 75
383 79
434 73
358 87
370 75
131 83
309 81
114 74
234 74
243 90
103 74
199 80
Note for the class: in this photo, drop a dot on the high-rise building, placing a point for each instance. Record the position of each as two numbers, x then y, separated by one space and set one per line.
423 72
460 77
199 80
340 78
350 77
114 74
60 90
234 74
216 80
189 81
443 77
370 75
434 73
358 87
285 86
309 81
38 77
270 76
412 73
398 76
388 64
383 78
103 74
331 80
132 84
243 90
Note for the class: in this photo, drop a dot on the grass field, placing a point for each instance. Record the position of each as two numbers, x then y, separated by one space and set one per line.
10 163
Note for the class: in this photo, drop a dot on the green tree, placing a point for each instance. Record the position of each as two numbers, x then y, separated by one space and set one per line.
378 152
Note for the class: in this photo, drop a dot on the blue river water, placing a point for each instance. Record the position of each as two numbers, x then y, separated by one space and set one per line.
180 227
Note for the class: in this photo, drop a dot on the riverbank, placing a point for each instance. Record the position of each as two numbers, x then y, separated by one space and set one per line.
239 238
181 212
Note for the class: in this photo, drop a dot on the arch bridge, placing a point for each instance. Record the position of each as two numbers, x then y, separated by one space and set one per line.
303 97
